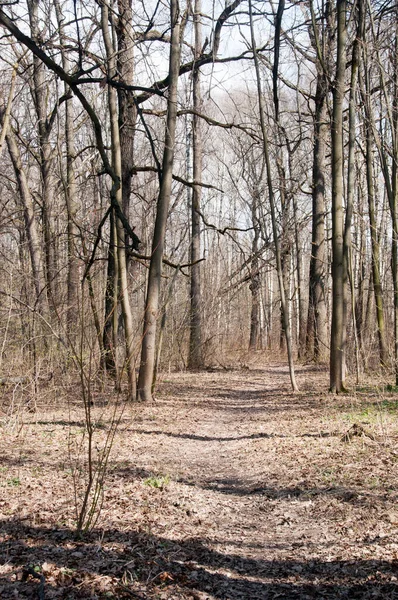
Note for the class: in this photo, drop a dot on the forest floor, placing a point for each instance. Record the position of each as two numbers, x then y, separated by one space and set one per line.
226 486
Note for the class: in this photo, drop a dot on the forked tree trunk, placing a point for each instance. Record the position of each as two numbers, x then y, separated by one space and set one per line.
148 348
117 190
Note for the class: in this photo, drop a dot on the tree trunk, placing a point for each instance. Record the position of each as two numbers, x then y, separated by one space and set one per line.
32 234
394 199
70 189
40 95
337 333
117 191
279 269
195 358
148 348
110 335
127 108
316 343
255 283
348 275
378 293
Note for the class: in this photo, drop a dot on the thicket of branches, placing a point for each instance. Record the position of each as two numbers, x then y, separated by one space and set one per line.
184 182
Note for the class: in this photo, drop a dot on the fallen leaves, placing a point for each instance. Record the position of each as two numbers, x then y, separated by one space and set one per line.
261 500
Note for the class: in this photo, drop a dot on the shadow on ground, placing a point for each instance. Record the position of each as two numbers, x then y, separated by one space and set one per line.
140 565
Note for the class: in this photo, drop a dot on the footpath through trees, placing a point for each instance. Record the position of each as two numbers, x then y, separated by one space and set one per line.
226 486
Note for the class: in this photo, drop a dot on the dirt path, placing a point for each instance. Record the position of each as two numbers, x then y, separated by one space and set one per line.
228 486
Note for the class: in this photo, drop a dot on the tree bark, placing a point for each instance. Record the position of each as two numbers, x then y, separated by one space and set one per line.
195 358
337 333
347 250
40 95
255 283
317 347
32 233
120 234
127 108
377 288
70 189
271 197
148 348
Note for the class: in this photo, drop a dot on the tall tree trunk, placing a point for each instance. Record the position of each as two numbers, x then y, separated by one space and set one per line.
120 234
281 283
394 198
377 288
317 344
348 275
40 95
70 189
127 108
317 328
360 272
148 348
195 358
337 333
301 325
32 233
110 335
255 283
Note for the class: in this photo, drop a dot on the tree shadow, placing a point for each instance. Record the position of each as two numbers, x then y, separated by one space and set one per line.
239 400
252 436
208 438
141 565
239 487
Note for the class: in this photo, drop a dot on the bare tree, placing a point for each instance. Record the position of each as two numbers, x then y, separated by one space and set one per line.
337 332
271 198
195 357
148 348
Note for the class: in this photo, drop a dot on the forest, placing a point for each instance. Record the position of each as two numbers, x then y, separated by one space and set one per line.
198 299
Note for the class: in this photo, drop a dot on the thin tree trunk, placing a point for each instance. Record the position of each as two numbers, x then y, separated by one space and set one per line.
377 288
195 358
127 108
110 335
32 234
120 235
272 206
71 189
148 348
348 275
255 283
6 113
394 199
40 95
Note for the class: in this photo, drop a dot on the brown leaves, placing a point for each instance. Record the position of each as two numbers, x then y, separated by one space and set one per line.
263 499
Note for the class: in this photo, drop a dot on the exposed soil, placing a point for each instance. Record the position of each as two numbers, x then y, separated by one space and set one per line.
227 486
